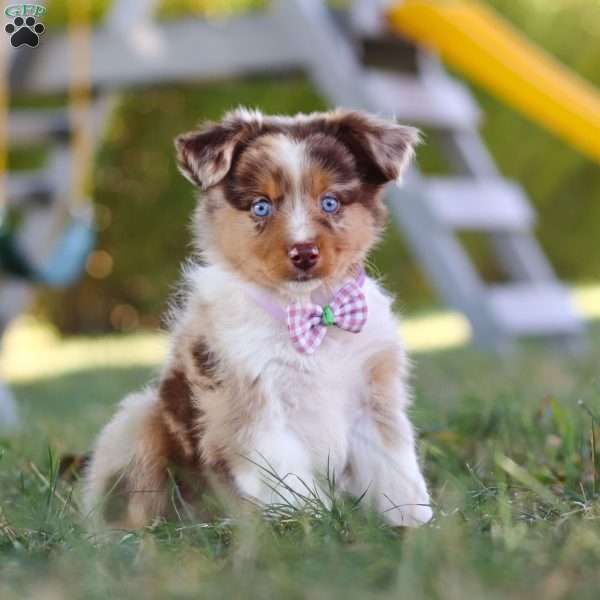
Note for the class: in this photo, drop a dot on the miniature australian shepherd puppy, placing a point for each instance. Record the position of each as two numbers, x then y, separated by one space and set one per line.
285 366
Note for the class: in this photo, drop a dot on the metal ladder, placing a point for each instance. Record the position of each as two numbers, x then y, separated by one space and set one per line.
430 211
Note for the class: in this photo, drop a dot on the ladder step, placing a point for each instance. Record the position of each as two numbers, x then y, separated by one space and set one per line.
31 126
534 309
29 187
491 204
390 53
439 103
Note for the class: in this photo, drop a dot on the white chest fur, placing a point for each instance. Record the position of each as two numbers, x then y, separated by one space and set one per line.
312 402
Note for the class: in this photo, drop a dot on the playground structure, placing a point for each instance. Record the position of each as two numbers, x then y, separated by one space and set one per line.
355 60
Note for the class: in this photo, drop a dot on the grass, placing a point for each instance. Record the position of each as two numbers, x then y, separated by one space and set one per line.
509 447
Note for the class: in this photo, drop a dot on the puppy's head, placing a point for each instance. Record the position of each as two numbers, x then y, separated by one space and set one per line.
293 202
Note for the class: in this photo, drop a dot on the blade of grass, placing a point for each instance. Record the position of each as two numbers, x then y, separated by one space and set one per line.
521 475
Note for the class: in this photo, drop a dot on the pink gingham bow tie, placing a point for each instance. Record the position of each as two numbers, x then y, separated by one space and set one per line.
308 323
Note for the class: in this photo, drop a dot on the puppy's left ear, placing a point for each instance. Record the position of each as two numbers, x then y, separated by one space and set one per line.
382 147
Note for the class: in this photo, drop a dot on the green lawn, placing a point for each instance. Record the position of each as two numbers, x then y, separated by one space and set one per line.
507 444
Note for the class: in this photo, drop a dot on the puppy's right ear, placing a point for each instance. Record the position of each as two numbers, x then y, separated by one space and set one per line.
204 156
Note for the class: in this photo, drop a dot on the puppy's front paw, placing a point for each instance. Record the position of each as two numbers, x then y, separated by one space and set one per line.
409 515
408 510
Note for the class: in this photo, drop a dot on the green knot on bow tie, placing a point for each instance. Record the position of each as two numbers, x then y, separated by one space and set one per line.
328 318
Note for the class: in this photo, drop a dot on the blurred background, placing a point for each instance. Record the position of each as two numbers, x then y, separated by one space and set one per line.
493 240
96 246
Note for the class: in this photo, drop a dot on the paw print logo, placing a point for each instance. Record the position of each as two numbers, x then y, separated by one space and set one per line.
24 31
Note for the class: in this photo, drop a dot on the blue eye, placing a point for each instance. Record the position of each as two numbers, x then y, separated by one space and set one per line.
262 208
329 204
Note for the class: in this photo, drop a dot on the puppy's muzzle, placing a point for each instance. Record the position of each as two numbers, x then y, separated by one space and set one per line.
304 256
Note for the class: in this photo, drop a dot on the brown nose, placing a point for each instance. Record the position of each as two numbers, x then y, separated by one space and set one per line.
304 256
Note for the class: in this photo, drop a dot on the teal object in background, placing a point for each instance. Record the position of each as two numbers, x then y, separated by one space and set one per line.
65 264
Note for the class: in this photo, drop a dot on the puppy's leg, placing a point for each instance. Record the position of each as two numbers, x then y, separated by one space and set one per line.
276 468
383 461
248 431
125 483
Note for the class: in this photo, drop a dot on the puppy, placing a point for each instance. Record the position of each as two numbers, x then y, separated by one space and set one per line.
285 366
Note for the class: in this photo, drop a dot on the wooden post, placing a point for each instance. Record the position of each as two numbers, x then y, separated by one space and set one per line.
82 145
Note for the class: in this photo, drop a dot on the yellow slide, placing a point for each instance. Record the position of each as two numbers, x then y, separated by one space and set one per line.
485 48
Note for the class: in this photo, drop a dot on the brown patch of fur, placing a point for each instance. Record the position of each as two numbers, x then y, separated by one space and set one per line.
220 468
183 442
383 368
176 396
206 363
173 437
204 156
256 173
179 416
380 147
334 169
262 257
317 181
72 466
145 483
